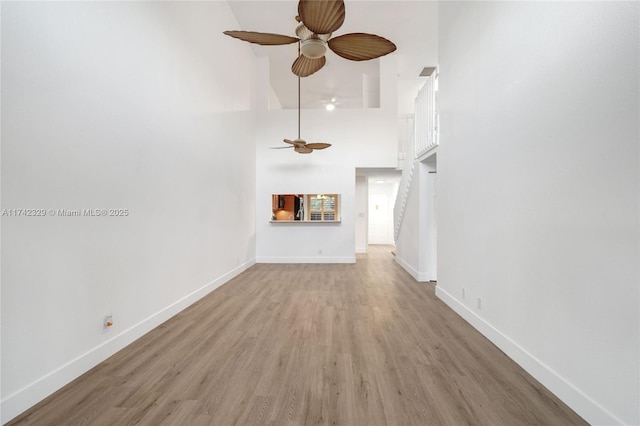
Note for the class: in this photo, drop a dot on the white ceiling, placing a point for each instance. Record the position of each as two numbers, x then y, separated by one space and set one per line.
411 25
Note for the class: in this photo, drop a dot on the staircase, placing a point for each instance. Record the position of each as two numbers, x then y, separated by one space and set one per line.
401 199
422 141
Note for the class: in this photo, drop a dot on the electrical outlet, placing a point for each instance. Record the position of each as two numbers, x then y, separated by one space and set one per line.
319 251
479 303
463 295
108 321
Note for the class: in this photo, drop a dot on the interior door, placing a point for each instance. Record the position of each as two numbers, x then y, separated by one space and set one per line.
379 219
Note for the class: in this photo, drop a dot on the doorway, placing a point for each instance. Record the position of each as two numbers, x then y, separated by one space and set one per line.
379 214
376 191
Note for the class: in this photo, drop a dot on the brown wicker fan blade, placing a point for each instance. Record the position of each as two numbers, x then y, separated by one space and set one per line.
361 46
303 150
318 145
296 142
304 67
280 147
265 39
321 16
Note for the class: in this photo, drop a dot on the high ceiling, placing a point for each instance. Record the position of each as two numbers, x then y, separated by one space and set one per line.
411 25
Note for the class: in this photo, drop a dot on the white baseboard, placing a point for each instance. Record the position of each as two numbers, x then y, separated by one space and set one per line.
407 267
361 250
581 403
318 259
418 276
18 402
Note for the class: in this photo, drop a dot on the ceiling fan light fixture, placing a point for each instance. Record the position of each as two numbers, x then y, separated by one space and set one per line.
313 48
330 106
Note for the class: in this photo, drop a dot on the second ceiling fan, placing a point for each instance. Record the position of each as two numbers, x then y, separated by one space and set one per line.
318 20
299 145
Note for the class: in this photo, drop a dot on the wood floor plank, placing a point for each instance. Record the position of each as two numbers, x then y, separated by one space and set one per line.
309 344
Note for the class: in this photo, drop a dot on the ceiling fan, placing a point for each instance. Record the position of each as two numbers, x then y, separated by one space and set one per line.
300 145
318 20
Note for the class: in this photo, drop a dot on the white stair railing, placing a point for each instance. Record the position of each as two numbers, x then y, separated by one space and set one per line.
425 118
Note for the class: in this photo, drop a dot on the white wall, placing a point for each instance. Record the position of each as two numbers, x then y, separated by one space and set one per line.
539 191
359 138
362 203
428 220
117 105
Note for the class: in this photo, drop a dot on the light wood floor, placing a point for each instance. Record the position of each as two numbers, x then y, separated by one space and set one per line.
309 344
